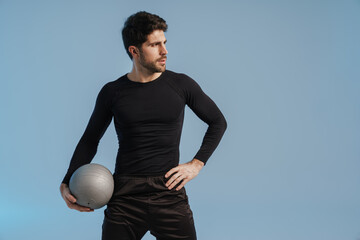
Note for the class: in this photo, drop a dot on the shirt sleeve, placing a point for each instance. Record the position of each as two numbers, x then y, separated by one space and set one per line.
207 111
97 125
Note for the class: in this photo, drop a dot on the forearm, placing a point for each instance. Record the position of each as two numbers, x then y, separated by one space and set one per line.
212 137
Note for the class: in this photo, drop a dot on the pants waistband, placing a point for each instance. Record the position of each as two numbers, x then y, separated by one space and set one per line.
139 176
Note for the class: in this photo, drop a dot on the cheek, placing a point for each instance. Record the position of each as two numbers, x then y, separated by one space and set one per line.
153 53
150 55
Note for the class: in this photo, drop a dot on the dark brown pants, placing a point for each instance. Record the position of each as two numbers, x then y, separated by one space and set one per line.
143 203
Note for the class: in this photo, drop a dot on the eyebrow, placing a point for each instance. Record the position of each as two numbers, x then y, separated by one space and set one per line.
157 42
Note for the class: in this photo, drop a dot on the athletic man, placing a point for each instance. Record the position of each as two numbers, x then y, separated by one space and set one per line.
147 106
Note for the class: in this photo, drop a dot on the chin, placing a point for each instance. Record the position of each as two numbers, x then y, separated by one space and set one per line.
161 69
156 68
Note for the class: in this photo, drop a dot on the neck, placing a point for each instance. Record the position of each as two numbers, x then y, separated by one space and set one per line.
140 74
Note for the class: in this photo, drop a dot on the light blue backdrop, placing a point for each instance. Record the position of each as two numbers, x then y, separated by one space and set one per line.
285 74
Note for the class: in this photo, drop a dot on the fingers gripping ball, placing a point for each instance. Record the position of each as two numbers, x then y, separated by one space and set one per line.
92 185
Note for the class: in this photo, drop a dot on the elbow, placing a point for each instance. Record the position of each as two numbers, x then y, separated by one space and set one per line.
220 123
224 124
89 142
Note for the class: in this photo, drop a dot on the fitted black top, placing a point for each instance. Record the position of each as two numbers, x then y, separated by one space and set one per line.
148 119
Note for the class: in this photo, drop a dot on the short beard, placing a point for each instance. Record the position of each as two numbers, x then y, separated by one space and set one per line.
151 66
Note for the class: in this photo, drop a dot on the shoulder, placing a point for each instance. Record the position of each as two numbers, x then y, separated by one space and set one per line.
181 79
113 86
110 90
121 81
189 88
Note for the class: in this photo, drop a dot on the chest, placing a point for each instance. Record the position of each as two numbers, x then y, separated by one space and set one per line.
147 104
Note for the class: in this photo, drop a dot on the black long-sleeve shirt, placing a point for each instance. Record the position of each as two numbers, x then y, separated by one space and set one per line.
148 119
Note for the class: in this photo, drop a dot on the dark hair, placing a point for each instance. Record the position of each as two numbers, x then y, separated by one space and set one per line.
138 26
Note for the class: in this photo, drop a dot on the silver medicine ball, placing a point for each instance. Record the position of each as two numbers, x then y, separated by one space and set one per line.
92 185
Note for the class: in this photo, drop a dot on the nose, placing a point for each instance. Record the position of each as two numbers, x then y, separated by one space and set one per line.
163 50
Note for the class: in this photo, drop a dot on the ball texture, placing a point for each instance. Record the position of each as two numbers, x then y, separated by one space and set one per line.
92 185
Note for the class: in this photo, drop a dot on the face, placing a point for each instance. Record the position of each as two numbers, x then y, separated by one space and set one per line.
152 54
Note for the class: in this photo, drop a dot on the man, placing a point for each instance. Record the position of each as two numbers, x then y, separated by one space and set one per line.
147 106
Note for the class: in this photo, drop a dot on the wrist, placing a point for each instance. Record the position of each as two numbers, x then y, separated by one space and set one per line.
63 186
199 164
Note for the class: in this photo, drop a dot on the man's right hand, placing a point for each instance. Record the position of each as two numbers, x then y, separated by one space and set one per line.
71 200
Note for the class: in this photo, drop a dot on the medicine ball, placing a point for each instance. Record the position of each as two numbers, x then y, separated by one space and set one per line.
92 185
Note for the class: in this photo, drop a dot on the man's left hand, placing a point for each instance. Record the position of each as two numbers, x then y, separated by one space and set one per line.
183 173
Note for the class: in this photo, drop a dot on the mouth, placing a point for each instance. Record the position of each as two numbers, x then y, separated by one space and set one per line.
162 60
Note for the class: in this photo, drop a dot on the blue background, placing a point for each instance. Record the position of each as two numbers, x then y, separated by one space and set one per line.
286 75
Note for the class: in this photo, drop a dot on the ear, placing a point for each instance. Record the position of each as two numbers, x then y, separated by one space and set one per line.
134 51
